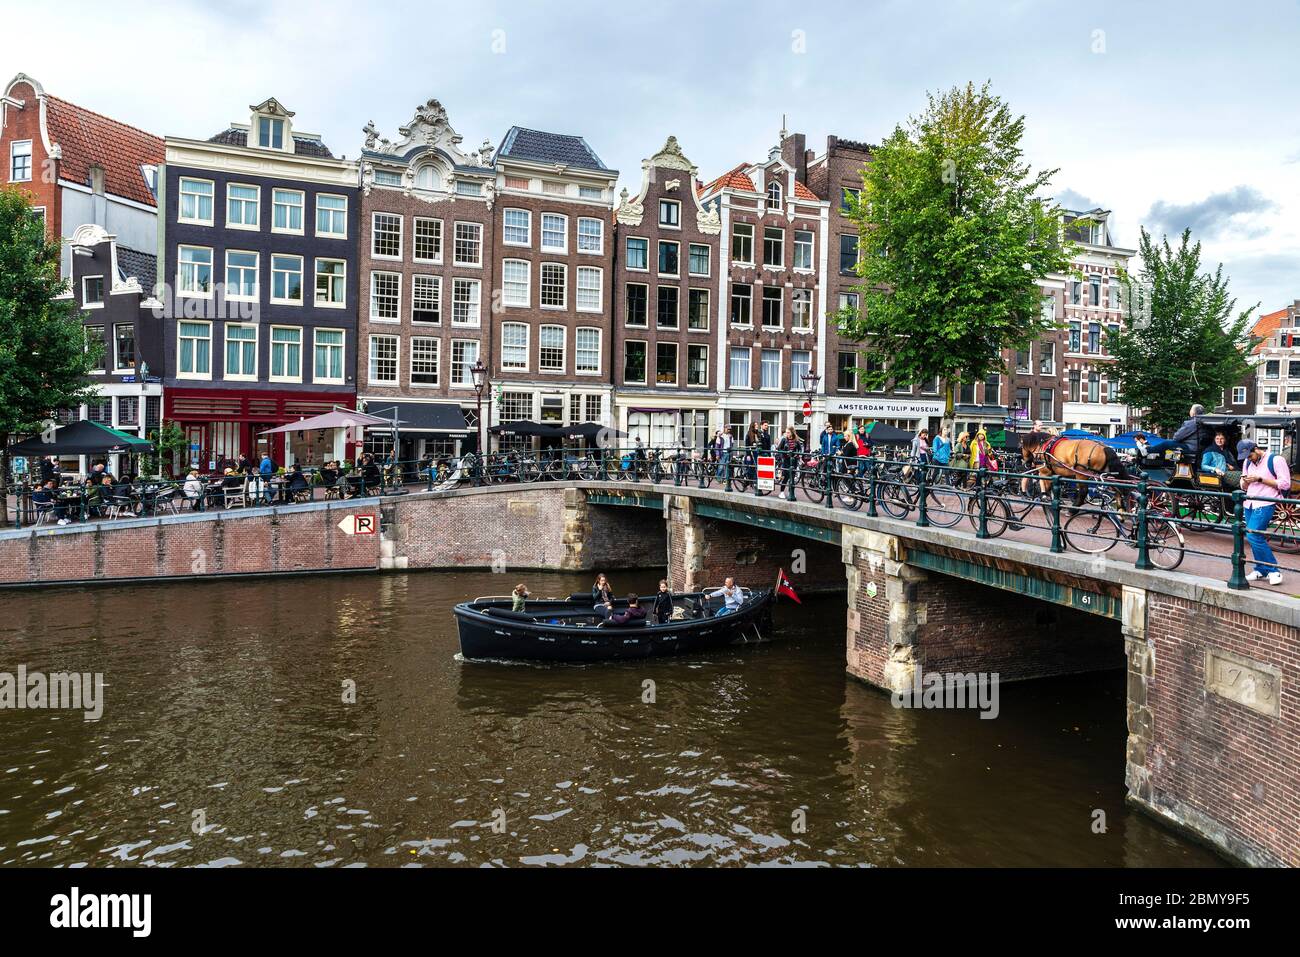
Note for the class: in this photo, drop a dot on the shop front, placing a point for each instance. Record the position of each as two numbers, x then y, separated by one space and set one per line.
910 415
440 430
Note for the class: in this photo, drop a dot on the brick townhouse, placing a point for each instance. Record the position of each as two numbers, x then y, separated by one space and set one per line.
771 304
667 262
257 248
1276 360
427 252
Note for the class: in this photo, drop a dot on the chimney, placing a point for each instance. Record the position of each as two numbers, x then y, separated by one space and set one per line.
794 152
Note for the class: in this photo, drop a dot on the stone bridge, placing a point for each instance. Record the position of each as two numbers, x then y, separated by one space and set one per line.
1213 710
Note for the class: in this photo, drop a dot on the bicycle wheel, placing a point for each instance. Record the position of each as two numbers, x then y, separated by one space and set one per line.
944 505
812 482
1090 531
892 497
1164 544
997 517
848 491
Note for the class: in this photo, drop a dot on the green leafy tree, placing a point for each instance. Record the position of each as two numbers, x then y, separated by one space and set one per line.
44 360
168 441
953 241
1183 341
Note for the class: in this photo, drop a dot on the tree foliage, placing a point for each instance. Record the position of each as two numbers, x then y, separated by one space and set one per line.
953 240
1182 342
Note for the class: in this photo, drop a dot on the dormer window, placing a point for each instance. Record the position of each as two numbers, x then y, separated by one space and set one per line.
774 195
270 133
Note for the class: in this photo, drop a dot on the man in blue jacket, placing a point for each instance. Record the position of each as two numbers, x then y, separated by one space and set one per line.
830 440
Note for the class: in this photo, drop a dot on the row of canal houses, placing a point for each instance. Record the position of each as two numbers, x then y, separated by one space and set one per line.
249 277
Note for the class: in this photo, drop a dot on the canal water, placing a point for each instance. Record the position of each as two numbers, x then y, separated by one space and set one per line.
224 710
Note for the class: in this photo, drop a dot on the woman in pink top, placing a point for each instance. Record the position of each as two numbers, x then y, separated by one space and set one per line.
1265 478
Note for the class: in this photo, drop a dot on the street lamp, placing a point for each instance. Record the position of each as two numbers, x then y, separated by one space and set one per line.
810 382
479 372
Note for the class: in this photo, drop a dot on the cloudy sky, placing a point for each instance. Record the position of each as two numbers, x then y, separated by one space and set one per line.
1169 114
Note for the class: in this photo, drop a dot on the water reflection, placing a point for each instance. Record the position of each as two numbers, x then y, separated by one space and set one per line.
225 705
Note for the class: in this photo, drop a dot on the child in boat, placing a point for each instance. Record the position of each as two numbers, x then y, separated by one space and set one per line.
602 595
517 597
663 603
633 615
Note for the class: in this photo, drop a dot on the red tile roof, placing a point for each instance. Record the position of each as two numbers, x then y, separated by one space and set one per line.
89 139
1266 325
803 192
735 179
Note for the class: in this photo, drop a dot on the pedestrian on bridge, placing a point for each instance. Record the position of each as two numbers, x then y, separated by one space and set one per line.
1265 478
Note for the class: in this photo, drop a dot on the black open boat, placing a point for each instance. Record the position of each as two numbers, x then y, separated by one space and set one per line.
570 629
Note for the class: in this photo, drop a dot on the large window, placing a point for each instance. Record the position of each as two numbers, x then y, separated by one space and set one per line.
848 254
241 275
95 340
1094 386
331 216
773 246
331 283
803 249
591 235
742 295
774 195
589 289
666 311
666 363
194 349
517 227
1047 358
801 309
847 374
196 201
669 258
329 355
1094 337
241 351
270 133
697 365
699 259
697 311
550 349
385 296
428 240
634 362
738 373
516 282
424 360
20 161
469 244
554 294
670 213
1047 405
514 346
1075 387
465 300
769 369
1075 338
742 243
772 301
124 345
242 203
426 299
286 353
638 295
386 236
286 280
128 410
383 359
586 353
464 356
195 277
286 210
555 232
800 363
638 253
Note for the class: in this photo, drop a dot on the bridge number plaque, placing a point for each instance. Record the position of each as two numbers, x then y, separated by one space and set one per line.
766 473
1249 683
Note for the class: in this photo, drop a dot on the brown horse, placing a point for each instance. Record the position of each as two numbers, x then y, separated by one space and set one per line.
1080 459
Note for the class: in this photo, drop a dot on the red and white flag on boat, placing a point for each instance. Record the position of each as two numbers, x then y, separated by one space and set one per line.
783 586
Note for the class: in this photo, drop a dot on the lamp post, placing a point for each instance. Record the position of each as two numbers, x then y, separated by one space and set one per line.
479 372
811 380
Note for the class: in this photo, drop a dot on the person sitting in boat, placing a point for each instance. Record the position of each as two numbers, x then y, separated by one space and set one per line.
663 603
731 595
634 614
518 596
602 596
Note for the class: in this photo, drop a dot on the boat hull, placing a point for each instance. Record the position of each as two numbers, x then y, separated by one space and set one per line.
486 636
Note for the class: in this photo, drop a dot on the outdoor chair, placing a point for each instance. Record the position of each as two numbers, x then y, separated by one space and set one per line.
165 500
235 496
120 506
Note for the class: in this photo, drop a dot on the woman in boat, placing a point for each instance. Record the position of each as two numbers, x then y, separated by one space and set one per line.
663 604
518 596
602 596
634 614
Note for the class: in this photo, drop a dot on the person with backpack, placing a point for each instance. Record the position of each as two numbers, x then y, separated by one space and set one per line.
1265 478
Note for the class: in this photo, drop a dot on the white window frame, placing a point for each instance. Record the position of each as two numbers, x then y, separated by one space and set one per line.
811 245
437 363
31 159
563 248
226 374
437 286
659 213
256 203
526 346
329 304
270 355
332 212
117 369
749 368
397 359
645 343
302 211
708 250
302 280
740 228
779 364
564 286
374 273
103 291
796 381
468 382
780 231
527 300
646 287
600 236
677 363
181 374
775 196
181 291
807 325
762 310
564 349
455 256
577 350
478 302
626 259
374 233
1238 395
415 243
180 201
658 246
705 383
527 227
257 276
343 355
708 309
599 288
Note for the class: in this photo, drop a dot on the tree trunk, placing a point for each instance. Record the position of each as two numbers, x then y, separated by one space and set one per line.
949 419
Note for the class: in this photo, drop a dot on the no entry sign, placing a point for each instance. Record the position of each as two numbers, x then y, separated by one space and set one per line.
363 524
766 473
807 409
